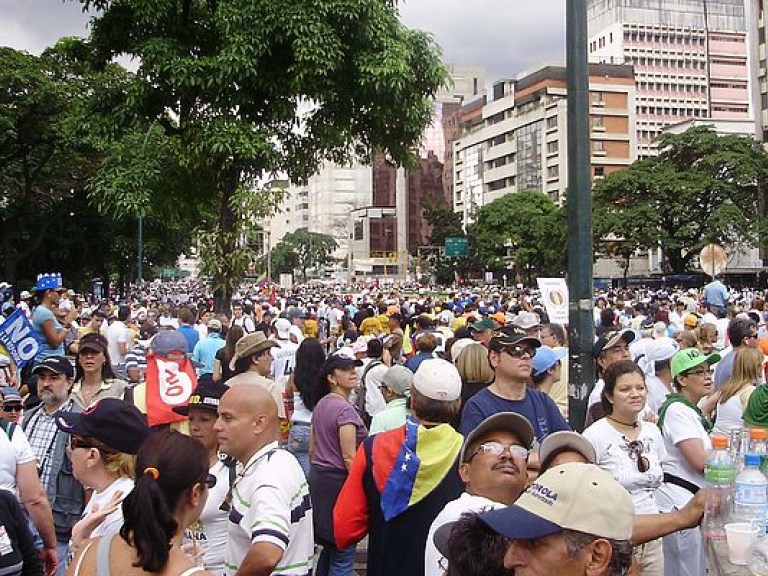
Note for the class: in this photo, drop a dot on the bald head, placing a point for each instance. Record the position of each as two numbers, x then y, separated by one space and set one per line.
247 421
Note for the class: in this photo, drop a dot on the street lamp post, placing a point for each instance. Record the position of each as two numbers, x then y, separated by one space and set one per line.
580 323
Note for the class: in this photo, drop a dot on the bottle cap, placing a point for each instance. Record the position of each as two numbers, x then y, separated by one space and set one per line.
752 460
719 441
758 434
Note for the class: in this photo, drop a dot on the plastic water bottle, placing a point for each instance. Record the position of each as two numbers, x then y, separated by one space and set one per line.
719 474
757 445
751 496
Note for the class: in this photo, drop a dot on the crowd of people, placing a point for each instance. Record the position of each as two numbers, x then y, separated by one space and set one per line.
434 423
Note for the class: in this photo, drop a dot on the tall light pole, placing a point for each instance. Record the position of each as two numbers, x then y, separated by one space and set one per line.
580 322
140 247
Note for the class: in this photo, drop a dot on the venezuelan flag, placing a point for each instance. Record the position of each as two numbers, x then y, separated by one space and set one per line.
419 462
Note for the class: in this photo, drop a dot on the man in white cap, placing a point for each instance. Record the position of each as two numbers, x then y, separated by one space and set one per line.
401 479
574 519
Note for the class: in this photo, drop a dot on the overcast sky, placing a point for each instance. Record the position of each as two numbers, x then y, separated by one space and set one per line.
488 33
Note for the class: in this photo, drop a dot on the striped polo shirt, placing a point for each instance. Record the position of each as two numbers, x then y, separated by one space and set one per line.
270 503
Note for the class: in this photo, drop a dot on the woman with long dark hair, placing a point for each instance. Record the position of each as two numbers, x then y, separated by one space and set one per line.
221 370
336 432
172 483
309 360
94 377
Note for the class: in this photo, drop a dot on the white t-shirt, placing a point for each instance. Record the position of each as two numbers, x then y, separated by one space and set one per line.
681 423
118 333
374 401
212 535
450 513
657 392
12 453
113 522
613 455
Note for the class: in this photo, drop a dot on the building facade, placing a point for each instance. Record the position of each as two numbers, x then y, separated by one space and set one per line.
518 139
690 58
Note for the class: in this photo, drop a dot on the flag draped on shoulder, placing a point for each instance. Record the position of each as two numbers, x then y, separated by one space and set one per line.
169 384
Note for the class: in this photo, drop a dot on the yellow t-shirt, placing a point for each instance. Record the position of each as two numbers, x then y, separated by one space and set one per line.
370 327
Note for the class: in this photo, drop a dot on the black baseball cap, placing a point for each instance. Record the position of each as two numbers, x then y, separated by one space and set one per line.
111 421
57 365
509 335
206 396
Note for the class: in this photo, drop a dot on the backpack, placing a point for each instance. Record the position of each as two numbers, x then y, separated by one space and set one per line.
360 400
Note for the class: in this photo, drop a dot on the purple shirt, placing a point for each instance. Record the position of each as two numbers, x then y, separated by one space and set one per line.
330 414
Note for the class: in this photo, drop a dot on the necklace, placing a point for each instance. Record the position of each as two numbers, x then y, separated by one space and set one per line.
628 425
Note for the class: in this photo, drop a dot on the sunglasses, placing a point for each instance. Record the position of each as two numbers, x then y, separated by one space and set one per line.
75 442
519 351
12 408
497 449
209 481
635 450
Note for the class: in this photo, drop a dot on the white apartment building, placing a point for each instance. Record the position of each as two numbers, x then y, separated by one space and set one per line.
690 58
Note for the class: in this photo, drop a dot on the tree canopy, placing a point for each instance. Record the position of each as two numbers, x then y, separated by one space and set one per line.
229 93
526 228
701 188
303 249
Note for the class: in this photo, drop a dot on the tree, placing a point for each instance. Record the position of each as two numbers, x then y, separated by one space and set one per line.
234 92
303 249
701 188
445 223
525 227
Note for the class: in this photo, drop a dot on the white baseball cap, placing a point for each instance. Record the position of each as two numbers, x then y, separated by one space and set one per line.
438 379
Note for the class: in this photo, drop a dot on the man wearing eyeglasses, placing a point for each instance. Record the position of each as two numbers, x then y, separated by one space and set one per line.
742 333
511 352
65 494
492 465
12 406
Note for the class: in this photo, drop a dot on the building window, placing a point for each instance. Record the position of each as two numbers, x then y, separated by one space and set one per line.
598 124
599 171
598 148
552 147
597 98
551 122
553 172
358 230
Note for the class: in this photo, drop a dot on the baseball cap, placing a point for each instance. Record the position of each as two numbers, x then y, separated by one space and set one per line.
349 354
579 497
10 394
499 317
57 365
479 326
545 358
689 358
657 351
438 379
459 345
398 379
610 339
93 341
512 422
167 341
360 346
509 335
283 328
206 396
111 421
527 320
214 324
562 440
296 312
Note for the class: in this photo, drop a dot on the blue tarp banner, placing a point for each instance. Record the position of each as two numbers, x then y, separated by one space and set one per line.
17 336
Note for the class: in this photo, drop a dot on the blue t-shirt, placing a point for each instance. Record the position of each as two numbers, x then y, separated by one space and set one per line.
539 408
716 293
191 334
39 317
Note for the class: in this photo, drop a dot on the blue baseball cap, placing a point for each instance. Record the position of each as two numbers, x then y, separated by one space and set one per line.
545 358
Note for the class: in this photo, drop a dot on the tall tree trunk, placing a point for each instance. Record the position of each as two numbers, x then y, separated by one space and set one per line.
227 221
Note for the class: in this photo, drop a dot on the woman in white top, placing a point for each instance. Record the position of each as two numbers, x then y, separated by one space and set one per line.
631 449
686 439
735 393
103 442
172 484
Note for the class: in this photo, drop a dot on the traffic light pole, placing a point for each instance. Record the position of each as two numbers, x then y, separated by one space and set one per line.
581 327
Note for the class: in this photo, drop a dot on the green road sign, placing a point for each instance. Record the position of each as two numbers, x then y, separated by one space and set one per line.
456 247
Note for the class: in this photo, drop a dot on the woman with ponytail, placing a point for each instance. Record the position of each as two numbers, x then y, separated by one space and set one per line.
172 483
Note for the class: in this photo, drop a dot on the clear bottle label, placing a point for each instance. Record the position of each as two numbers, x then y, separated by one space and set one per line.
751 494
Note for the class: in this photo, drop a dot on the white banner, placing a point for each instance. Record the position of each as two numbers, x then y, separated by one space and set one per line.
554 293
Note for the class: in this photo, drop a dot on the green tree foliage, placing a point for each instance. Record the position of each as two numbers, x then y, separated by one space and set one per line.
445 223
525 227
47 157
302 249
701 188
235 92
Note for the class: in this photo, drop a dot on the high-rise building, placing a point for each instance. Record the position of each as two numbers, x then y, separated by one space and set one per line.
689 56
759 66
518 139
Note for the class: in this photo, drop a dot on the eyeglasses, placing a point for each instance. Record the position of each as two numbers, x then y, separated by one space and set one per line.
12 408
635 449
209 481
519 351
699 372
497 449
75 442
